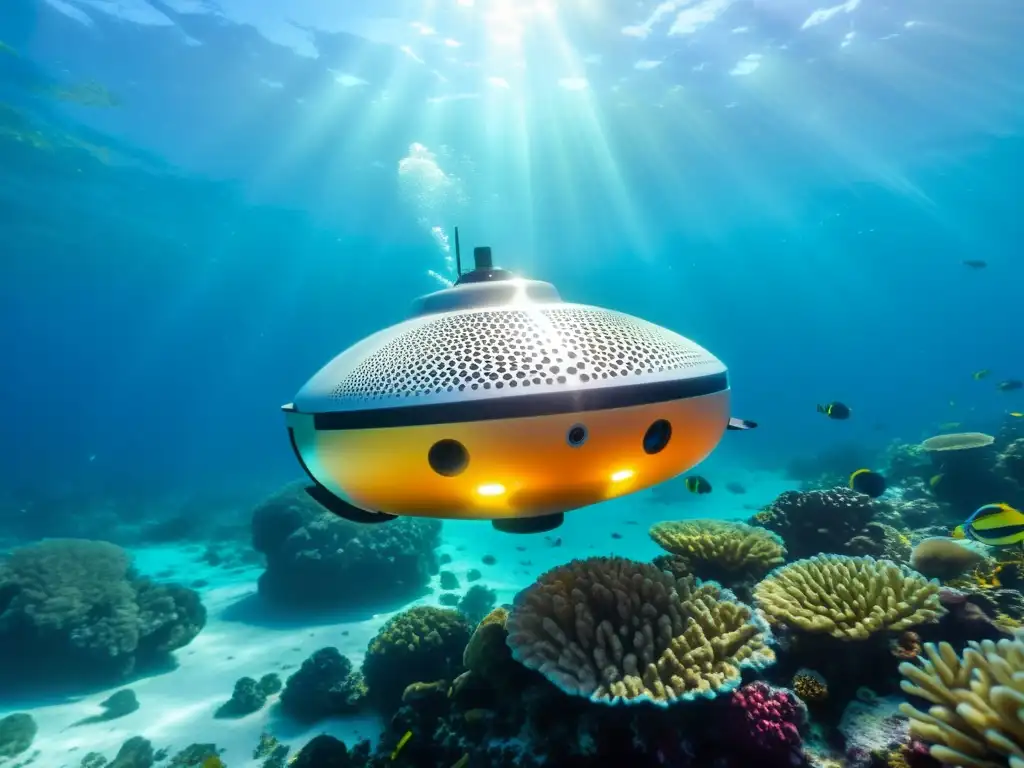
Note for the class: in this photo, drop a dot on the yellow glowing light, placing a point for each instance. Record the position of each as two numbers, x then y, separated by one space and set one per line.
622 475
491 489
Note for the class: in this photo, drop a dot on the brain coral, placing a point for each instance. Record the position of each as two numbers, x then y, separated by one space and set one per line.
721 549
615 630
849 598
977 702
75 610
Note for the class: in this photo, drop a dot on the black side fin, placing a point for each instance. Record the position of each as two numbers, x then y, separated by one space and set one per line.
735 423
343 509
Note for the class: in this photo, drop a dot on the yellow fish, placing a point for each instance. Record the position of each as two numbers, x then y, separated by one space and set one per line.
998 525
401 743
213 761
979 375
1016 415
936 479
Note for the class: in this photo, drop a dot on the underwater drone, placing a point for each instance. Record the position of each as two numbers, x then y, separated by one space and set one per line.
498 401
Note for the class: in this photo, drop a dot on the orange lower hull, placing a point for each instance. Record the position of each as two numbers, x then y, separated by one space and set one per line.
521 467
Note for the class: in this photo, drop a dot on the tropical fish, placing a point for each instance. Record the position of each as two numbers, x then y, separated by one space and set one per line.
975 263
949 425
697 484
1010 384
867 482
998 525
979 375
213 761
935 479
401 743
835 410
735 487
1016 414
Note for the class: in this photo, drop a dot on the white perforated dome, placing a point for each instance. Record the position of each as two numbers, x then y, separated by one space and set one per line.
501 352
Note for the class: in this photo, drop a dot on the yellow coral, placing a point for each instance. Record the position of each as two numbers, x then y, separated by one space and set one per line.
721 545
977 699
810 686
616 630
849 598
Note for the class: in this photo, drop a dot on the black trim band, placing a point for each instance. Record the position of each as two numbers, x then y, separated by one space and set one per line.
521 406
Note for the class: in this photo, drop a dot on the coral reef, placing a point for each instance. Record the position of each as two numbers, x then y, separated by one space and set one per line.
943 558
422 643
477 603
324 686
766 723
614 630
812 522
849 598
723 550
968 473
249 696
17 732
975 717
315 559
74 610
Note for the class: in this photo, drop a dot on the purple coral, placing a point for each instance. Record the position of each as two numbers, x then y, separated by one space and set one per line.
765 723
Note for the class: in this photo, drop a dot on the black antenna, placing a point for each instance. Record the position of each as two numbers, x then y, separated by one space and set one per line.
458 255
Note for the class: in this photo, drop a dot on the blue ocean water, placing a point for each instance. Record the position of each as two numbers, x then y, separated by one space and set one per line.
201 203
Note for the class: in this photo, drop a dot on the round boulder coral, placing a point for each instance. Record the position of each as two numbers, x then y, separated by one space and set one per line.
614 630
316 559
723 550
849 598
813 522
417 645
74 610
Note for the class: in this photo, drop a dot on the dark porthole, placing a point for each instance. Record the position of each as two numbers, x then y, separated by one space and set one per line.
448 457
576 436
657 436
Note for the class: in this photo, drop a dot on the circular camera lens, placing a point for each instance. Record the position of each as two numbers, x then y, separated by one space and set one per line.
657 436
448 457
577 435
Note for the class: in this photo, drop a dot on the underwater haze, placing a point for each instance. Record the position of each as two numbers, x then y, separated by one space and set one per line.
202 202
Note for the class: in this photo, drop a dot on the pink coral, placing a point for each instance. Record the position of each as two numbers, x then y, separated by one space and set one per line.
765 722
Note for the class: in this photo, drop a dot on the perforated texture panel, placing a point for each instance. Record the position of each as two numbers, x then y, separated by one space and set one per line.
540 349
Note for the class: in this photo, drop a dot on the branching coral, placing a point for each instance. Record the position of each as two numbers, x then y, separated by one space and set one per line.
976 715
721 549
615 630
849 598
75 609
812 522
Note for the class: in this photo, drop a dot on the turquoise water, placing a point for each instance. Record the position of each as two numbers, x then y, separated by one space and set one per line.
201 203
